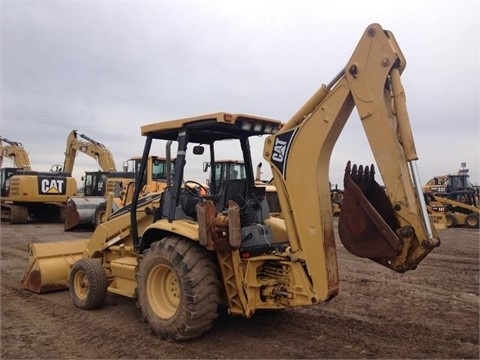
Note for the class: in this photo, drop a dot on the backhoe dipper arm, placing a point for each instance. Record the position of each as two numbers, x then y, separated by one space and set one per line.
89 147
16 152
391 227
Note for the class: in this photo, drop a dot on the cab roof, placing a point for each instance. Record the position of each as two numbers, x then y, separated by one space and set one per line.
205 129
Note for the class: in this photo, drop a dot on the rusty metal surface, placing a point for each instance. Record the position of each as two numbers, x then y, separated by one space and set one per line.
205 216
367 221
32 281
234 226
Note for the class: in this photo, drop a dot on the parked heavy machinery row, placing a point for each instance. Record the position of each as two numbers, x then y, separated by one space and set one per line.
453 199
186 252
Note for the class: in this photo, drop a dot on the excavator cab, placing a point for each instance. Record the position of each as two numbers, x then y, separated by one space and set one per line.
5 175
94 183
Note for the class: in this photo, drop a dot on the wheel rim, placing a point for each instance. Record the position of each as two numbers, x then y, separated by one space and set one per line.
450 221
163 291
472 221
81 285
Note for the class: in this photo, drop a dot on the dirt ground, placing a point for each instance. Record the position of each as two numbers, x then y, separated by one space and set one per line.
432 312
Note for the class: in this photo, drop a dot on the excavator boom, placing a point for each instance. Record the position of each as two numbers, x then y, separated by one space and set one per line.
15 151
81 209
89 147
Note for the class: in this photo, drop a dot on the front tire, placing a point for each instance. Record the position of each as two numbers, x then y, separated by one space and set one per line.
472 221
88 284
451 221
178 288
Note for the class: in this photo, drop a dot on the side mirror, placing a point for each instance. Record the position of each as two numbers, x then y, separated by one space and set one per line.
198 150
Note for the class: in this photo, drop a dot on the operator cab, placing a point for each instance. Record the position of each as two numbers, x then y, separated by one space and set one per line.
5 175
209 136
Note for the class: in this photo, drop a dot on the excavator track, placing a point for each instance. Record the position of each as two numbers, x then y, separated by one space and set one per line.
22 214
15 214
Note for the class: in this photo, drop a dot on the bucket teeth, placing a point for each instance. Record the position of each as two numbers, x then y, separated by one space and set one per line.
360 175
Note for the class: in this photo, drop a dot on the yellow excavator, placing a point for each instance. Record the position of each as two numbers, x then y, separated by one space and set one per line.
14 151
28 195
183 255
79 142
81 210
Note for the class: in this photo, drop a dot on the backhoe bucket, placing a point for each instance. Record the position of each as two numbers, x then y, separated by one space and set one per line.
367 221
49 264
80 212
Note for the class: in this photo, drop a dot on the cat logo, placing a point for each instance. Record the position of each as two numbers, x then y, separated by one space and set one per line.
281 148
51 185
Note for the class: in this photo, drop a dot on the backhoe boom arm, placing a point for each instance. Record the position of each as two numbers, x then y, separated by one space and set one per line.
389 226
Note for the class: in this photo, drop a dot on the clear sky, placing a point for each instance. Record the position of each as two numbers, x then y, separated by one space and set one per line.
105 68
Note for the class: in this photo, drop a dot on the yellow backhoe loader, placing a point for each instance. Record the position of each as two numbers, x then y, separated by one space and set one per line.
155 180
235 169
453 200
183 255
453 213
28 195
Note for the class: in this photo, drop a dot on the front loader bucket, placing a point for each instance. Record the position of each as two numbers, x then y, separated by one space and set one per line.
80 212
49 264
367 222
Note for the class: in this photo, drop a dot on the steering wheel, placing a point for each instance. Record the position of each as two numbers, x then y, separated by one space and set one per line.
195 188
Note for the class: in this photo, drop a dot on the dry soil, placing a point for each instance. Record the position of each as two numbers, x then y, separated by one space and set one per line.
432 312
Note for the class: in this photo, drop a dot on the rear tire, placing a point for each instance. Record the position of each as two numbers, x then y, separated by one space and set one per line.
472 221
451 221
178 288
88 284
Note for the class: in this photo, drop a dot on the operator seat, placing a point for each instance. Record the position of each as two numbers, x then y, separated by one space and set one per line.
236 190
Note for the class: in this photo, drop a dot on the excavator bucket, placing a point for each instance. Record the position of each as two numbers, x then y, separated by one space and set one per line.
367 222
49 264
80 212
